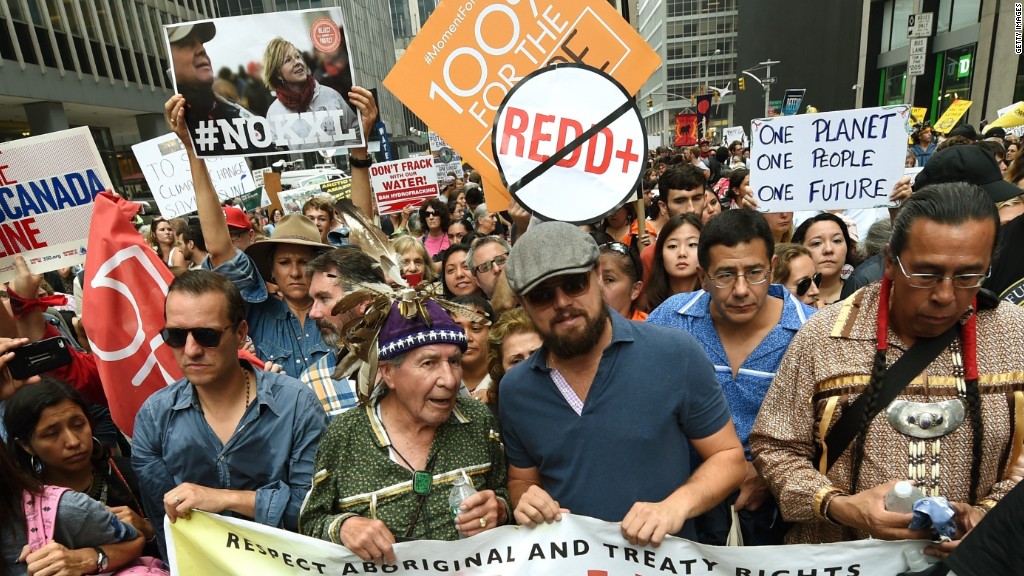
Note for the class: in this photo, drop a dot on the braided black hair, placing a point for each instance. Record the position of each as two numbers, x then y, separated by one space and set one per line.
973 398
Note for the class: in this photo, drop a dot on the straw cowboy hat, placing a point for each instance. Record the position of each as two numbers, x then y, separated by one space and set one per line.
292 230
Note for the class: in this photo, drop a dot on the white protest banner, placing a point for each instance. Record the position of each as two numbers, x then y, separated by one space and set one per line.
293 198
257 175
569 158
846 159
446 160
47 186
316 116
167 171
211 545
734 134
398 183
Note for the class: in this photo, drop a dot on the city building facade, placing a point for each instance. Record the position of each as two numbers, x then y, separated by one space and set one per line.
697 42
103 64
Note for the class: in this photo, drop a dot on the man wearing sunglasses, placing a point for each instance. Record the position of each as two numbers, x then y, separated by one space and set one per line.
487 257
950 427
601 418
226 438
744 324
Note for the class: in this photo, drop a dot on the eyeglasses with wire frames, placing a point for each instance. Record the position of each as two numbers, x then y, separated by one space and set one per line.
961 281
496 261
752 277
804 285
572 285
205 337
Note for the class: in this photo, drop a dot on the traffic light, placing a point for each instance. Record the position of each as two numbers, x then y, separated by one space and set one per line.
743 83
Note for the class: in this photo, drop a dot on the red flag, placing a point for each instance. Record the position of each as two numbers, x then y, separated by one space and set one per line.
123 310
686 129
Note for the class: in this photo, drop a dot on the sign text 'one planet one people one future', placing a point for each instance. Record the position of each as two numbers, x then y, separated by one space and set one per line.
848 159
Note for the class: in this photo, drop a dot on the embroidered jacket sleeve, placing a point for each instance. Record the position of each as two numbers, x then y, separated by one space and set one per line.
783 438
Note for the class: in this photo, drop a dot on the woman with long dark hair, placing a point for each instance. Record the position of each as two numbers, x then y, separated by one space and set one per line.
85 538
435 219
675 260
832 250
50 433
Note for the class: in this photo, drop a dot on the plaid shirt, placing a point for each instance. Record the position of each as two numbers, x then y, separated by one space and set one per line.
336 396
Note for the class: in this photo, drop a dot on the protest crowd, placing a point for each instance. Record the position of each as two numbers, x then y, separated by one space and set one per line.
700 369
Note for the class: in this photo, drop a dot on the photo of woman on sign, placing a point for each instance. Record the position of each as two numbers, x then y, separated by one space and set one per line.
286 72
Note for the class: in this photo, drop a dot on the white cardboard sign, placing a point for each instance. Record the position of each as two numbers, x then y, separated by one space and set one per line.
565 157
446 160
47 186
398 183
167 171
846 159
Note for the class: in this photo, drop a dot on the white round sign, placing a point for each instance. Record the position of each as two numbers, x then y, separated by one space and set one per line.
570 143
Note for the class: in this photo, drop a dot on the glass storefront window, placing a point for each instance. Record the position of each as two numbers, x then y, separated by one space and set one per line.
956 73
895 84
903 9
965 13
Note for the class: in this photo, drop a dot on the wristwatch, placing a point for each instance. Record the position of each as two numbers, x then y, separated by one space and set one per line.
360 162
102 560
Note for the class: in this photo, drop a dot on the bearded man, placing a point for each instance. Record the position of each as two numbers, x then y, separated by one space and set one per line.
625 400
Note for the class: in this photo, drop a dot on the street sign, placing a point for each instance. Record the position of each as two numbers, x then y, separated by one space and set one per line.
918 45
919 25
915 65
768 81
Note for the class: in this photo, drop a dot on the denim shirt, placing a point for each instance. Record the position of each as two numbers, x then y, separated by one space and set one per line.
271 451
274 330
744 393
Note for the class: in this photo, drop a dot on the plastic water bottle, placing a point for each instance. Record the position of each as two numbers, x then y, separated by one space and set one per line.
462 488
902 497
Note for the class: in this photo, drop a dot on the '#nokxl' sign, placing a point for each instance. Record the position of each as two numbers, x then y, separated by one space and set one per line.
570 143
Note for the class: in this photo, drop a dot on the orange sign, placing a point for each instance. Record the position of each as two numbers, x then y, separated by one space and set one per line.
460 66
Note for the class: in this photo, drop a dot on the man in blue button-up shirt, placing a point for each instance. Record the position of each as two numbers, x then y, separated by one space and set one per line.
226 438
744 324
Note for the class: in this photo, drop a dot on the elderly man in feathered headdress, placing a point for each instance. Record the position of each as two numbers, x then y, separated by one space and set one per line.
385 468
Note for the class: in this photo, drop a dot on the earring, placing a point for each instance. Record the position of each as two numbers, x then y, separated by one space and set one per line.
37 464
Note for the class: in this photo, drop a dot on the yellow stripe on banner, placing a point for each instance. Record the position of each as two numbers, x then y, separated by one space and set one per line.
1018 431
826 418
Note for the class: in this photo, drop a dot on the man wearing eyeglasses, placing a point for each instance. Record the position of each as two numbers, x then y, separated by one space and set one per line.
744 324
950 428
487 257
226 438
600 420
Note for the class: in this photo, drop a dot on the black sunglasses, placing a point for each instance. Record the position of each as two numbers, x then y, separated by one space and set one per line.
205 337
430 213
804 285
572 285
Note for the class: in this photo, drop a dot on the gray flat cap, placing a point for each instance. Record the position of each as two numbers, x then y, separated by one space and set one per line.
546 250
